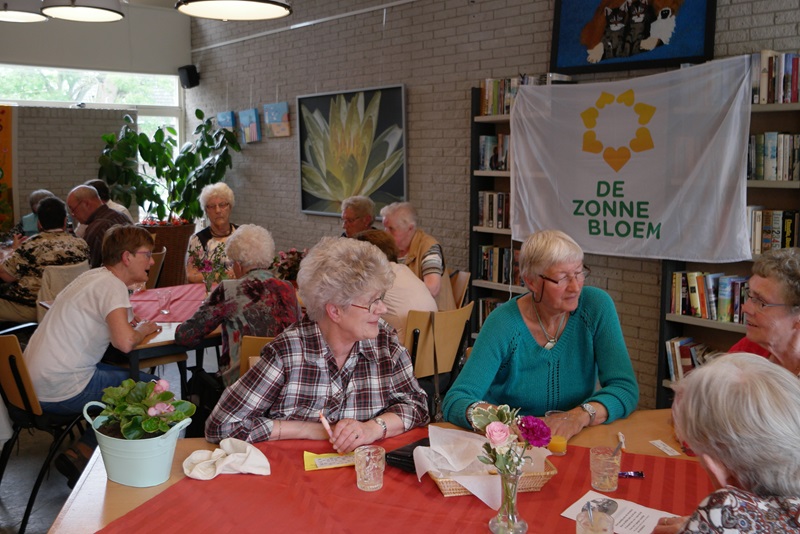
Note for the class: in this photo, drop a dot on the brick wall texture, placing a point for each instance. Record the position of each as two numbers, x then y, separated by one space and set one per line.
438 49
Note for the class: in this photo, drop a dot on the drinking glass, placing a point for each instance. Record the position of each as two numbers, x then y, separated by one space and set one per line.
600 524
370 463
605 468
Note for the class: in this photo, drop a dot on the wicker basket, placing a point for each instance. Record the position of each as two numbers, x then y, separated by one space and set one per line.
527 482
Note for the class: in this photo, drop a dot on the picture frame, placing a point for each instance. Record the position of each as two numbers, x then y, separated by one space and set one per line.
377 171
681 32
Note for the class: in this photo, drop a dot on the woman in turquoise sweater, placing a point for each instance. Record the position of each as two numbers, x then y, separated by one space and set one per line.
548 349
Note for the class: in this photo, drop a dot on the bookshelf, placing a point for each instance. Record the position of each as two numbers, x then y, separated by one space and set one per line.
779 195
481 235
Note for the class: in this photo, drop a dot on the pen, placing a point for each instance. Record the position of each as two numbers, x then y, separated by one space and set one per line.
631 474
621 438
325 424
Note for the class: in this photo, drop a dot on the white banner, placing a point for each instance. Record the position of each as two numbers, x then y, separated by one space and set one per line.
650 167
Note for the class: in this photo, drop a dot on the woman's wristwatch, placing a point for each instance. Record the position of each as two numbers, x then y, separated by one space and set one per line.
470 409
382 424
588 408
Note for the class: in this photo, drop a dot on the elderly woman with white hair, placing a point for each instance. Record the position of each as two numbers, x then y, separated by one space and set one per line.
741 415
254 304
341 362
548 349
217 201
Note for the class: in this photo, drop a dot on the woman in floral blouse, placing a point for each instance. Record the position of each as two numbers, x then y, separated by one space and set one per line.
255 303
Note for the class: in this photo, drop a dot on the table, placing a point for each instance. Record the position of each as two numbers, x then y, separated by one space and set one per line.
328 501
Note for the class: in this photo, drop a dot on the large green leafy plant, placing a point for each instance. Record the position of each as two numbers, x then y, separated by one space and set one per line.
142 408
164 181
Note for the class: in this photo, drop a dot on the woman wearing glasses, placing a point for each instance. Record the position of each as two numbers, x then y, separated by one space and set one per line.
547 349
217 201
341 362
772 309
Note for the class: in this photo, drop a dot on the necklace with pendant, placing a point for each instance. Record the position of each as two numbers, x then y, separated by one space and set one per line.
551 340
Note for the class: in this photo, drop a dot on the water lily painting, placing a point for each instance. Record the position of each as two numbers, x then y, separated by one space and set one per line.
352 143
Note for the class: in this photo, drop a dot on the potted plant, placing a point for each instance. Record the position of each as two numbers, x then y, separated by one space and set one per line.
137 431
167 183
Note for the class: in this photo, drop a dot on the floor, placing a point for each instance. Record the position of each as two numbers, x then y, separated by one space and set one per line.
26 460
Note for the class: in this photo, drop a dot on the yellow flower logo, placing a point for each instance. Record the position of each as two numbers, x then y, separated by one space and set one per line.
616 158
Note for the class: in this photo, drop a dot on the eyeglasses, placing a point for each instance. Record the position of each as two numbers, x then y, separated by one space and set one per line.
580 276
372 305
73 208
351 220
759 303
148 253
221 206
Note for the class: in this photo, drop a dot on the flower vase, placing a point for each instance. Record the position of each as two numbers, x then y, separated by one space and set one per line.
209 282
507 520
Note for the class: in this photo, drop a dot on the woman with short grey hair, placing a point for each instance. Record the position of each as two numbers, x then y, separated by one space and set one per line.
741 415
341 365
217 201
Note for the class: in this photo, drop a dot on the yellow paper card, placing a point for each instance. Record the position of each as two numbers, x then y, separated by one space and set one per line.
313 462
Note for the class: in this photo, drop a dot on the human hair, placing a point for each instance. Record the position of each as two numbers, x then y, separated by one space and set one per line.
546 248
361 205
782 265
382 240
37 196
220 190
403 214
122 237
251 245
82 193
52 213
102 188
744 412
338 271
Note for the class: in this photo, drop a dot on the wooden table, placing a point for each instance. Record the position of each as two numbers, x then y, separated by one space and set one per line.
95 501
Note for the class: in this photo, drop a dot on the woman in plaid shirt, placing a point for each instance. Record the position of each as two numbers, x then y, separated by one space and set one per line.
341 360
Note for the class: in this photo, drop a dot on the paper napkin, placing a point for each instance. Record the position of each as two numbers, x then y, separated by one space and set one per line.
233 456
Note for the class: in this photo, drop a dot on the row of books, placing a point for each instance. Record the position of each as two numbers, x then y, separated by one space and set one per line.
487 305
772 229
493 209
498 94
774 77
493 152
774 156
499 265
713 296
684 354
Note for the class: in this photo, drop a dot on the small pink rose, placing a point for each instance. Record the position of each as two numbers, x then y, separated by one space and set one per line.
497 433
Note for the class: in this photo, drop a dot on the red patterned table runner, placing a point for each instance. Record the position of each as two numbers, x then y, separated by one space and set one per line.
293 500
186 299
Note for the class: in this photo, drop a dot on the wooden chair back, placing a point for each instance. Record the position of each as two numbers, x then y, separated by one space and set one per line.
250 351
447 332
14 378
158 263
460 283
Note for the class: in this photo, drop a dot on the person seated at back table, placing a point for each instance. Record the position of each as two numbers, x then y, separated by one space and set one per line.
740 415
105 195
254 304
772 309
357 215
419 251
341 360
407 293
547 349
24 268
27 225
217 201
86 207
64 353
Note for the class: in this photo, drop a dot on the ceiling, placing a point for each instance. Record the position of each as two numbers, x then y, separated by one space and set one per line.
167 4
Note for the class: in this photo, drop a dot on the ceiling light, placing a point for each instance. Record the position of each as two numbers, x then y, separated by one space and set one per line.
21 11
83 10
234 9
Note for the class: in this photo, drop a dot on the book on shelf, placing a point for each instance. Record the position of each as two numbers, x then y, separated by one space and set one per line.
766 231
755 75
487 160
677 342
789 223
694 295
712 291
487 305
738 290
764 78
687 362
702 296
773 77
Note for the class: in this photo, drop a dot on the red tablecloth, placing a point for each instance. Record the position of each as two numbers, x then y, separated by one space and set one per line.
293 500
185 301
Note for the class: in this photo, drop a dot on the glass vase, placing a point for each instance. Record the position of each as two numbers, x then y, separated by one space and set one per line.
208 281
507 520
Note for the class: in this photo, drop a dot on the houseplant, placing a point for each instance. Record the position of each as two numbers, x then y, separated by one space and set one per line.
137 431
166 182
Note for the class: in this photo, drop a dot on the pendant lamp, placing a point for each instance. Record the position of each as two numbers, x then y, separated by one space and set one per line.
21 11
83 10
234 9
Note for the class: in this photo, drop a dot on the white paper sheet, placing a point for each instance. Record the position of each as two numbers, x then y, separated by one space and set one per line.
629 517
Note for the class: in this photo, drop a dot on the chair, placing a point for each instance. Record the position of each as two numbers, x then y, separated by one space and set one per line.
250 351
54 279
460 283
155 270
436 342
25 412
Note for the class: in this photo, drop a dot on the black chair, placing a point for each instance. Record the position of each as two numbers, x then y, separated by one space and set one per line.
26 413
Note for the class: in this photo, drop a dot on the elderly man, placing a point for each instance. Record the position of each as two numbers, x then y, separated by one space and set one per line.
357 215
23 269
26 226
421 252
85 205
105 196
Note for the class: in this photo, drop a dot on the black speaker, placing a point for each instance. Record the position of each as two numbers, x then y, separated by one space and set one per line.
189 76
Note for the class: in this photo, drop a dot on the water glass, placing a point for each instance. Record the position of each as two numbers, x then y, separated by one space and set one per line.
164 300
600 524
370 463
605 468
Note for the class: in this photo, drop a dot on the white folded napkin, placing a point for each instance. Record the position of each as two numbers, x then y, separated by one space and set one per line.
454 454
233 456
